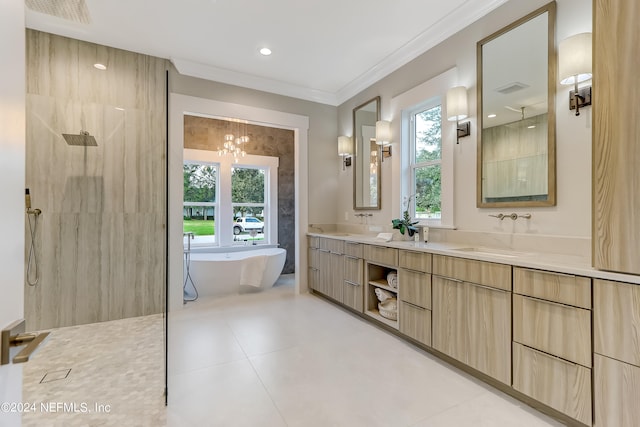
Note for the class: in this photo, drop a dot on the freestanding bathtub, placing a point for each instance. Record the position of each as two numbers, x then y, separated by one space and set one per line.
220 273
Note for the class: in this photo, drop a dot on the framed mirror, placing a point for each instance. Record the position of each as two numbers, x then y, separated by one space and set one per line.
516 113
366 157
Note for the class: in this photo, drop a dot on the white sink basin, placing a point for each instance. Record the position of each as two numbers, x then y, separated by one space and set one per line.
491 252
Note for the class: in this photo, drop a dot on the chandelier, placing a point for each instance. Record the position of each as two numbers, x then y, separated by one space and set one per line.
234 145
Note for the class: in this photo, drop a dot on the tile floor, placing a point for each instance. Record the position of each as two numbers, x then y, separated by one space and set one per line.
266 359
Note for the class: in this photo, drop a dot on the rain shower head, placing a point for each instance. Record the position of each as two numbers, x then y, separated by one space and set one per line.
83 139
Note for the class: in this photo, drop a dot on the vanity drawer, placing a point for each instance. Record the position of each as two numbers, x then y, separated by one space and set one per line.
332 245
561 330
381 255
353 249
353 269
562 385
415 287
562 288
419 261
415 322
469 270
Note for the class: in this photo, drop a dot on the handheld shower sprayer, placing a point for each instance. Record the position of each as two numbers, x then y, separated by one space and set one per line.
27 202
33 276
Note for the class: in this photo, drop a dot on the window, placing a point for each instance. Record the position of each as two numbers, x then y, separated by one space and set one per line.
200 201
248 189
426 161
227 203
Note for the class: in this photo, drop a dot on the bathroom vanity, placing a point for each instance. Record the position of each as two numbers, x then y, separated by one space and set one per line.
521 322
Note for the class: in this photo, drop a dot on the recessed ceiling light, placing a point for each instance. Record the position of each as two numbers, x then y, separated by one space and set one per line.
491 116
265 51
100 66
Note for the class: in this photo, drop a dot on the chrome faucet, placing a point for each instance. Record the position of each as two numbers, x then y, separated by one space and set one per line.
513 216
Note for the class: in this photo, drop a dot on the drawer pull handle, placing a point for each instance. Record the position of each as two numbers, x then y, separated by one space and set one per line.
489 287
413 305
352 257
451 279
560 359
533 271
411 270
351 283
565 306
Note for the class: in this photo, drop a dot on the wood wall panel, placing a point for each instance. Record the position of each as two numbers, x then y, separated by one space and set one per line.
616 136
101 235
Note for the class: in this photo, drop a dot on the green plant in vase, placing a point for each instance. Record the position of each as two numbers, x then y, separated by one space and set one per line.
405 224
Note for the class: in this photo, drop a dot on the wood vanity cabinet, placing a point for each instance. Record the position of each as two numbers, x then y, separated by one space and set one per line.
332 259
552 353
471 311
616 147
616 322
352 292
414 294
336 269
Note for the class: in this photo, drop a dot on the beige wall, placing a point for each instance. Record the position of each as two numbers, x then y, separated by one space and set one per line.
571 216
101 235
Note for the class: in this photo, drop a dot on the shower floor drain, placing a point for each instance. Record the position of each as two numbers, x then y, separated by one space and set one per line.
55 376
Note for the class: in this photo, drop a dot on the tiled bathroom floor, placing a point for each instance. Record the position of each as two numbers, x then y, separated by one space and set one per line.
260 360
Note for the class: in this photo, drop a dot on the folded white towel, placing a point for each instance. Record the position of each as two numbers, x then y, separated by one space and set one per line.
252 271
392 279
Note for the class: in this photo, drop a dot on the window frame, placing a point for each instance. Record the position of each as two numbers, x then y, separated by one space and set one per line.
434 88
224 228
213 204
413 163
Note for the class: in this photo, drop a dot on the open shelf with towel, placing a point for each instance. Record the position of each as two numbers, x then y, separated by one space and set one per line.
381 277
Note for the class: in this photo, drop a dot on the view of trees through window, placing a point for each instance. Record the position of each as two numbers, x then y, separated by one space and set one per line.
201 198
426 164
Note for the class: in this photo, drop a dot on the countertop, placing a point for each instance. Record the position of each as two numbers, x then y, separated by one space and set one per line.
560 263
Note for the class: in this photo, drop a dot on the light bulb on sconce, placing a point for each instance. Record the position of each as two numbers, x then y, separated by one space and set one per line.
575 66
383 138
345 149
457 110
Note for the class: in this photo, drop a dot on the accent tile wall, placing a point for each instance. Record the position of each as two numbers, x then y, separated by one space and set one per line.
100 240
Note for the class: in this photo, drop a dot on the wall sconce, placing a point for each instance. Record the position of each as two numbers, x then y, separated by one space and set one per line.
457 110
574 55
345 149
383 138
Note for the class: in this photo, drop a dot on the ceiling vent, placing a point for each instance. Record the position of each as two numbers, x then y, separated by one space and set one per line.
71 10
511 87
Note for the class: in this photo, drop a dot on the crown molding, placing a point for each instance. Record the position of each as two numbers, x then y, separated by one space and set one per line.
208 72
456 20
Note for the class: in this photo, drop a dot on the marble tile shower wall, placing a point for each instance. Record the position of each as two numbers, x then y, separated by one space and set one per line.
206 133
101 236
